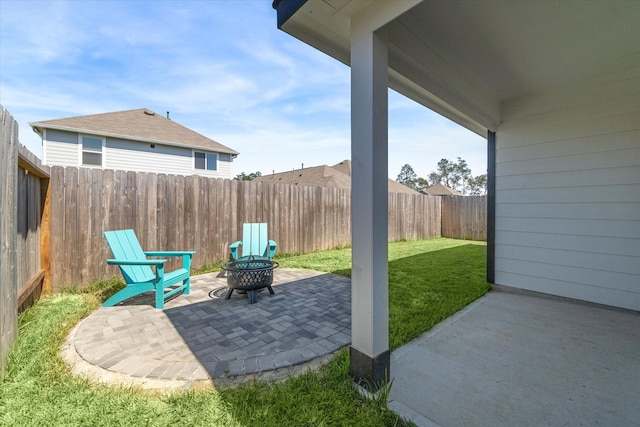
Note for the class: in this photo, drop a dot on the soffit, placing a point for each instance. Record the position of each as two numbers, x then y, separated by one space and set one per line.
465 58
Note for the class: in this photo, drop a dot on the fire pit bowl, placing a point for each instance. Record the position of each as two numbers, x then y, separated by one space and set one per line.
250 274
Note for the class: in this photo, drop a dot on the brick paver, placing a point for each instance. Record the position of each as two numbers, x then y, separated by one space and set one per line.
202 337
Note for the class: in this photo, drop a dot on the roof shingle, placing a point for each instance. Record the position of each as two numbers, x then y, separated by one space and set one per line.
139 125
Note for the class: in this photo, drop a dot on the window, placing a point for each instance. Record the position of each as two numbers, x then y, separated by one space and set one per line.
208 161
91 151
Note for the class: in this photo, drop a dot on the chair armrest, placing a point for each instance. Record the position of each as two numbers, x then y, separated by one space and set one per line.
169 253
136 262
234 249
272 248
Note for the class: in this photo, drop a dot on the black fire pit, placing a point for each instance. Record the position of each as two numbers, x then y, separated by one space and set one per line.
250 274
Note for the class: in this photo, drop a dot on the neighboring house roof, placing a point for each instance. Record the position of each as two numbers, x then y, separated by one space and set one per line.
138 125
441 190
338 175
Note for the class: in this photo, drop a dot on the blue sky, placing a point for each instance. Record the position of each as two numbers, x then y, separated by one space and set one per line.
221 68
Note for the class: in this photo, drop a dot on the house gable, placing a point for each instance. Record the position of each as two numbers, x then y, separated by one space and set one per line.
137 140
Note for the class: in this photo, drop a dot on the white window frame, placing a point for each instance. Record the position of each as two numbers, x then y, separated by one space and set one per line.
81 150
207 155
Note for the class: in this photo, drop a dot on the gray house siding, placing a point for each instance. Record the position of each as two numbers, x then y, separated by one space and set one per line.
225 163
140 157
60 148
63 148
568 193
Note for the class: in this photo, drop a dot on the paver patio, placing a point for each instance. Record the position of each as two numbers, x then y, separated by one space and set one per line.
202 339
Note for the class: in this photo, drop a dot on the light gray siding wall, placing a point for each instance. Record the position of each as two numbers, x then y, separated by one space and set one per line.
224 166
137 156
60 148
224 170
140 157
568 193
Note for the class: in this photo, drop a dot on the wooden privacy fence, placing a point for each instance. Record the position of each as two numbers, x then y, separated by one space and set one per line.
464 217
24 184
203 214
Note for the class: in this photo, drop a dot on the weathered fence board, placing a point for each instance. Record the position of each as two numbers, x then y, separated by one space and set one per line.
204 214
8 236
464 217
24 254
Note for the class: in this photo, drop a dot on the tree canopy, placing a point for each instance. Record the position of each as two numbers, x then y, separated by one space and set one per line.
247 177
455 175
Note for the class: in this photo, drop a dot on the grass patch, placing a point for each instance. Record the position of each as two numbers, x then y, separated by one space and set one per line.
428 281
39 390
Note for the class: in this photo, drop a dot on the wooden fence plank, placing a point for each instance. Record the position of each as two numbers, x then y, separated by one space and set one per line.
8 236
23 191
206 215
83 213
464 217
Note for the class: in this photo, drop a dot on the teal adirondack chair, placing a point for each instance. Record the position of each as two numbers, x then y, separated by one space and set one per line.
137 272
254 242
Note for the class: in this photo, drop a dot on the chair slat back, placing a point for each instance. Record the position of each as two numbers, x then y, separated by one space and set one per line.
125 246
254 239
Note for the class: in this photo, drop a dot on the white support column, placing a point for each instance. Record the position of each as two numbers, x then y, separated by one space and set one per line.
369 207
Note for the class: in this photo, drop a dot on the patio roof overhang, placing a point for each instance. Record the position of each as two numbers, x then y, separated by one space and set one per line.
463 59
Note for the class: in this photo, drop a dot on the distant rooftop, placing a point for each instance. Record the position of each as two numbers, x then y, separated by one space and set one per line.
338 176
441 190
139 125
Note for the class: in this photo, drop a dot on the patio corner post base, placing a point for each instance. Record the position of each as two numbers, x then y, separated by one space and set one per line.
370 372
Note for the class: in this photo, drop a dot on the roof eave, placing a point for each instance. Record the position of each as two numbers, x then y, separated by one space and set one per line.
285 9
38 127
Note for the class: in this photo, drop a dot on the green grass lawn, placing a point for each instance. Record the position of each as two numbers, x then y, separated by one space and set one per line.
428 281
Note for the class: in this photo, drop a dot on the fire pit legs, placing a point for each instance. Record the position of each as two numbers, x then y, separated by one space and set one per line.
251 275
252 295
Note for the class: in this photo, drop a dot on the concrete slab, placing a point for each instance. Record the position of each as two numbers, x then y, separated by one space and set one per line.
520 359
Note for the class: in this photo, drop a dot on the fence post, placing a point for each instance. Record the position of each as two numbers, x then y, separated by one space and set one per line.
8 236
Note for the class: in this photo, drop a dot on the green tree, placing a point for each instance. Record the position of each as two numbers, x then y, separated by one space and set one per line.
244 177
407 176
477 185
460 175
421 184
457 175
443 173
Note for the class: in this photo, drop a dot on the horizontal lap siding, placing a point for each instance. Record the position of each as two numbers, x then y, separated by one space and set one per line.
136 156
568 193
224 168
61 148
225 163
